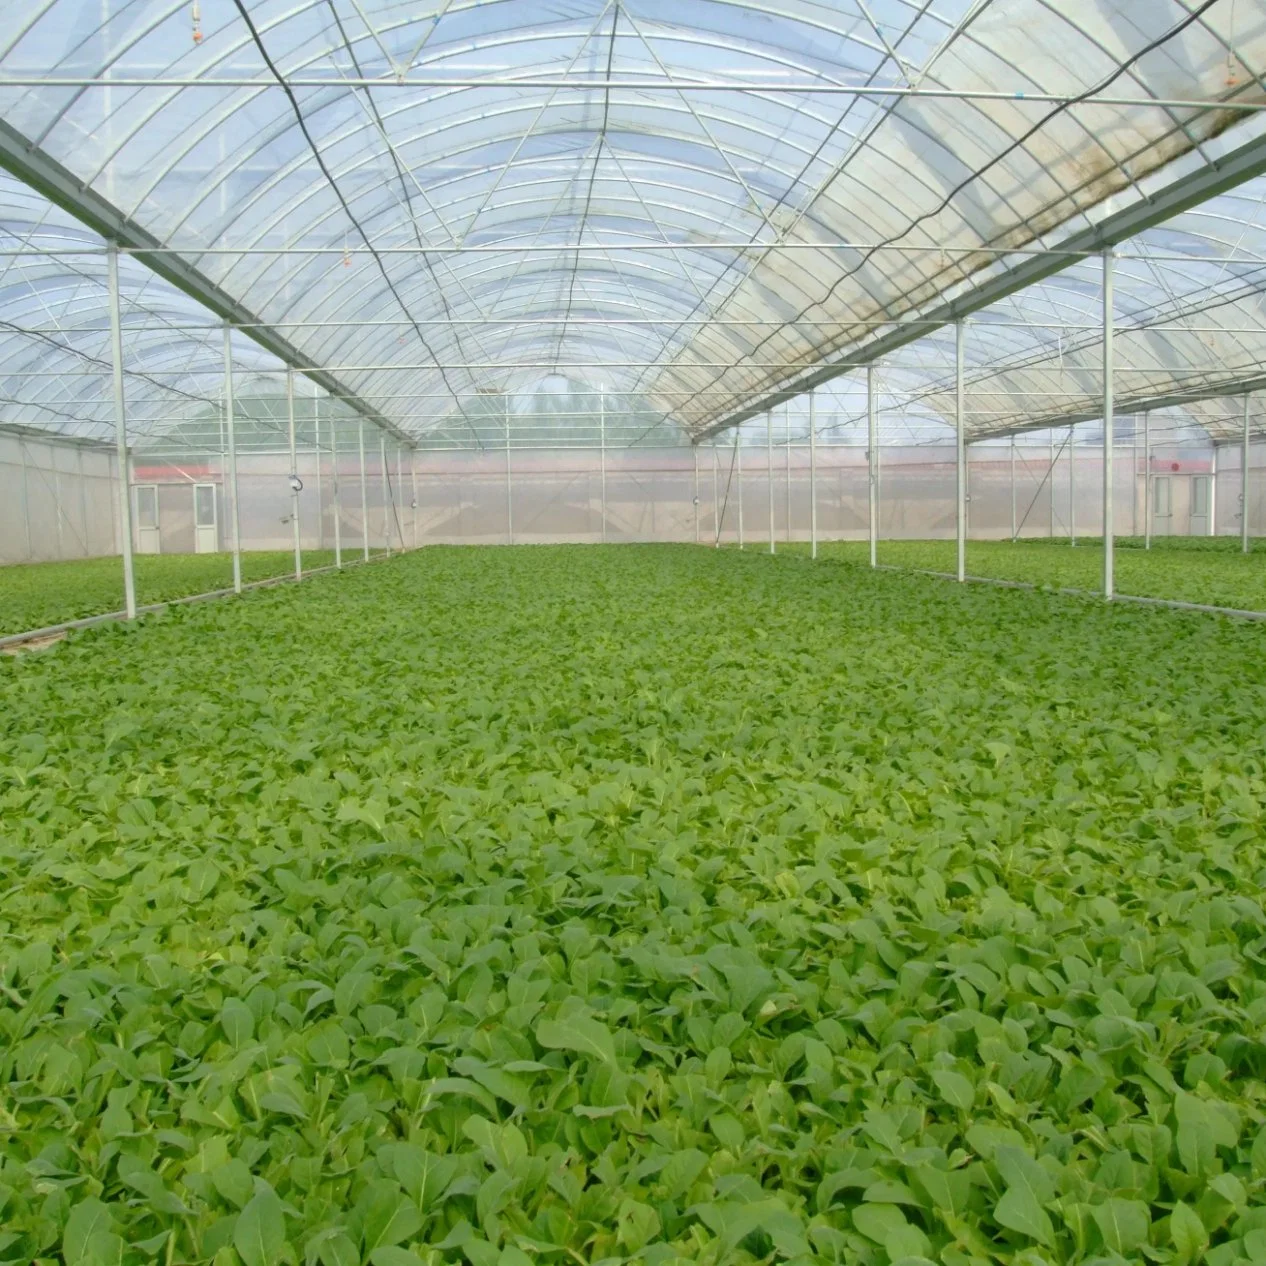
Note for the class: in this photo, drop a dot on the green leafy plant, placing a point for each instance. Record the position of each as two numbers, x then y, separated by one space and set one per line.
37 595
634 904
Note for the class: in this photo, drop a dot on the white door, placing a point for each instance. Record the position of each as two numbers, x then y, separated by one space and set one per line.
147 534
1162 505
206 531
1200 505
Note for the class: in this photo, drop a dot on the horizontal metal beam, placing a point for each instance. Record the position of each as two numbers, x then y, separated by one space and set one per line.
1070 255
48 177
1217 176
590 83
1127 404
43 435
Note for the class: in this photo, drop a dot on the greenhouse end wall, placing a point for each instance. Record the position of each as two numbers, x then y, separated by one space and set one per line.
58 499
61 500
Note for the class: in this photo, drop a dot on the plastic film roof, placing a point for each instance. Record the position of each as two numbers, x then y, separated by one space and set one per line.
689 202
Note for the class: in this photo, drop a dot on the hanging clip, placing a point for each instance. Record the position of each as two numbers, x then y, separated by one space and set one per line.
197 22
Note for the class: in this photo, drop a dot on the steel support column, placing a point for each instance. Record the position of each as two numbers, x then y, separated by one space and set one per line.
769 473
294 473
1244 455
872 465
813 475
364 491
387 496
1072 484
509 476
694 457
413 492
1147 481
716 497
1109 542
1014 526
338 507
120 440
960 454
230 427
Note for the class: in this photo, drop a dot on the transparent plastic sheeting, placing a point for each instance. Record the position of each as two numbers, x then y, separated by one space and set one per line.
778 207
538 496
57 500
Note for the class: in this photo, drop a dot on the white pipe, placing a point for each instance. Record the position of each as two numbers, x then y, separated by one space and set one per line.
388 498
716 497
769 473
1072 485
813 474
338 508
1014 527
1213 495
294 473
320 492
602 456
120 441
1244 538
509 477
872 464
694 455
960 454
364 492
231 429
1147 481
1109 531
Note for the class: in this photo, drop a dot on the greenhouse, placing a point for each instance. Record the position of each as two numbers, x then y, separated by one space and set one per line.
632 632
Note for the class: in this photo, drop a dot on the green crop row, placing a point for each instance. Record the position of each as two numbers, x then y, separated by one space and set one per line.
1209 570
37 595
651 904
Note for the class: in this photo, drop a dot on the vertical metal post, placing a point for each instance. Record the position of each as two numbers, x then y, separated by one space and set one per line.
1134 483
1213 495
716 497
400 490
738 482
786 467
1147 481
388 498
1109 531
83 500
960 454
1072 484
294 472
120 440
364 492
1244 454
602 455
230 426
26 499
1014 526
509 476
813 474
769 472
694 454
320 492
58 512
1050 485
413 493
872 464
338 508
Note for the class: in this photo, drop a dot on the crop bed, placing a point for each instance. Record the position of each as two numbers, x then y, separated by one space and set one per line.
37 595
574 905
1206 570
